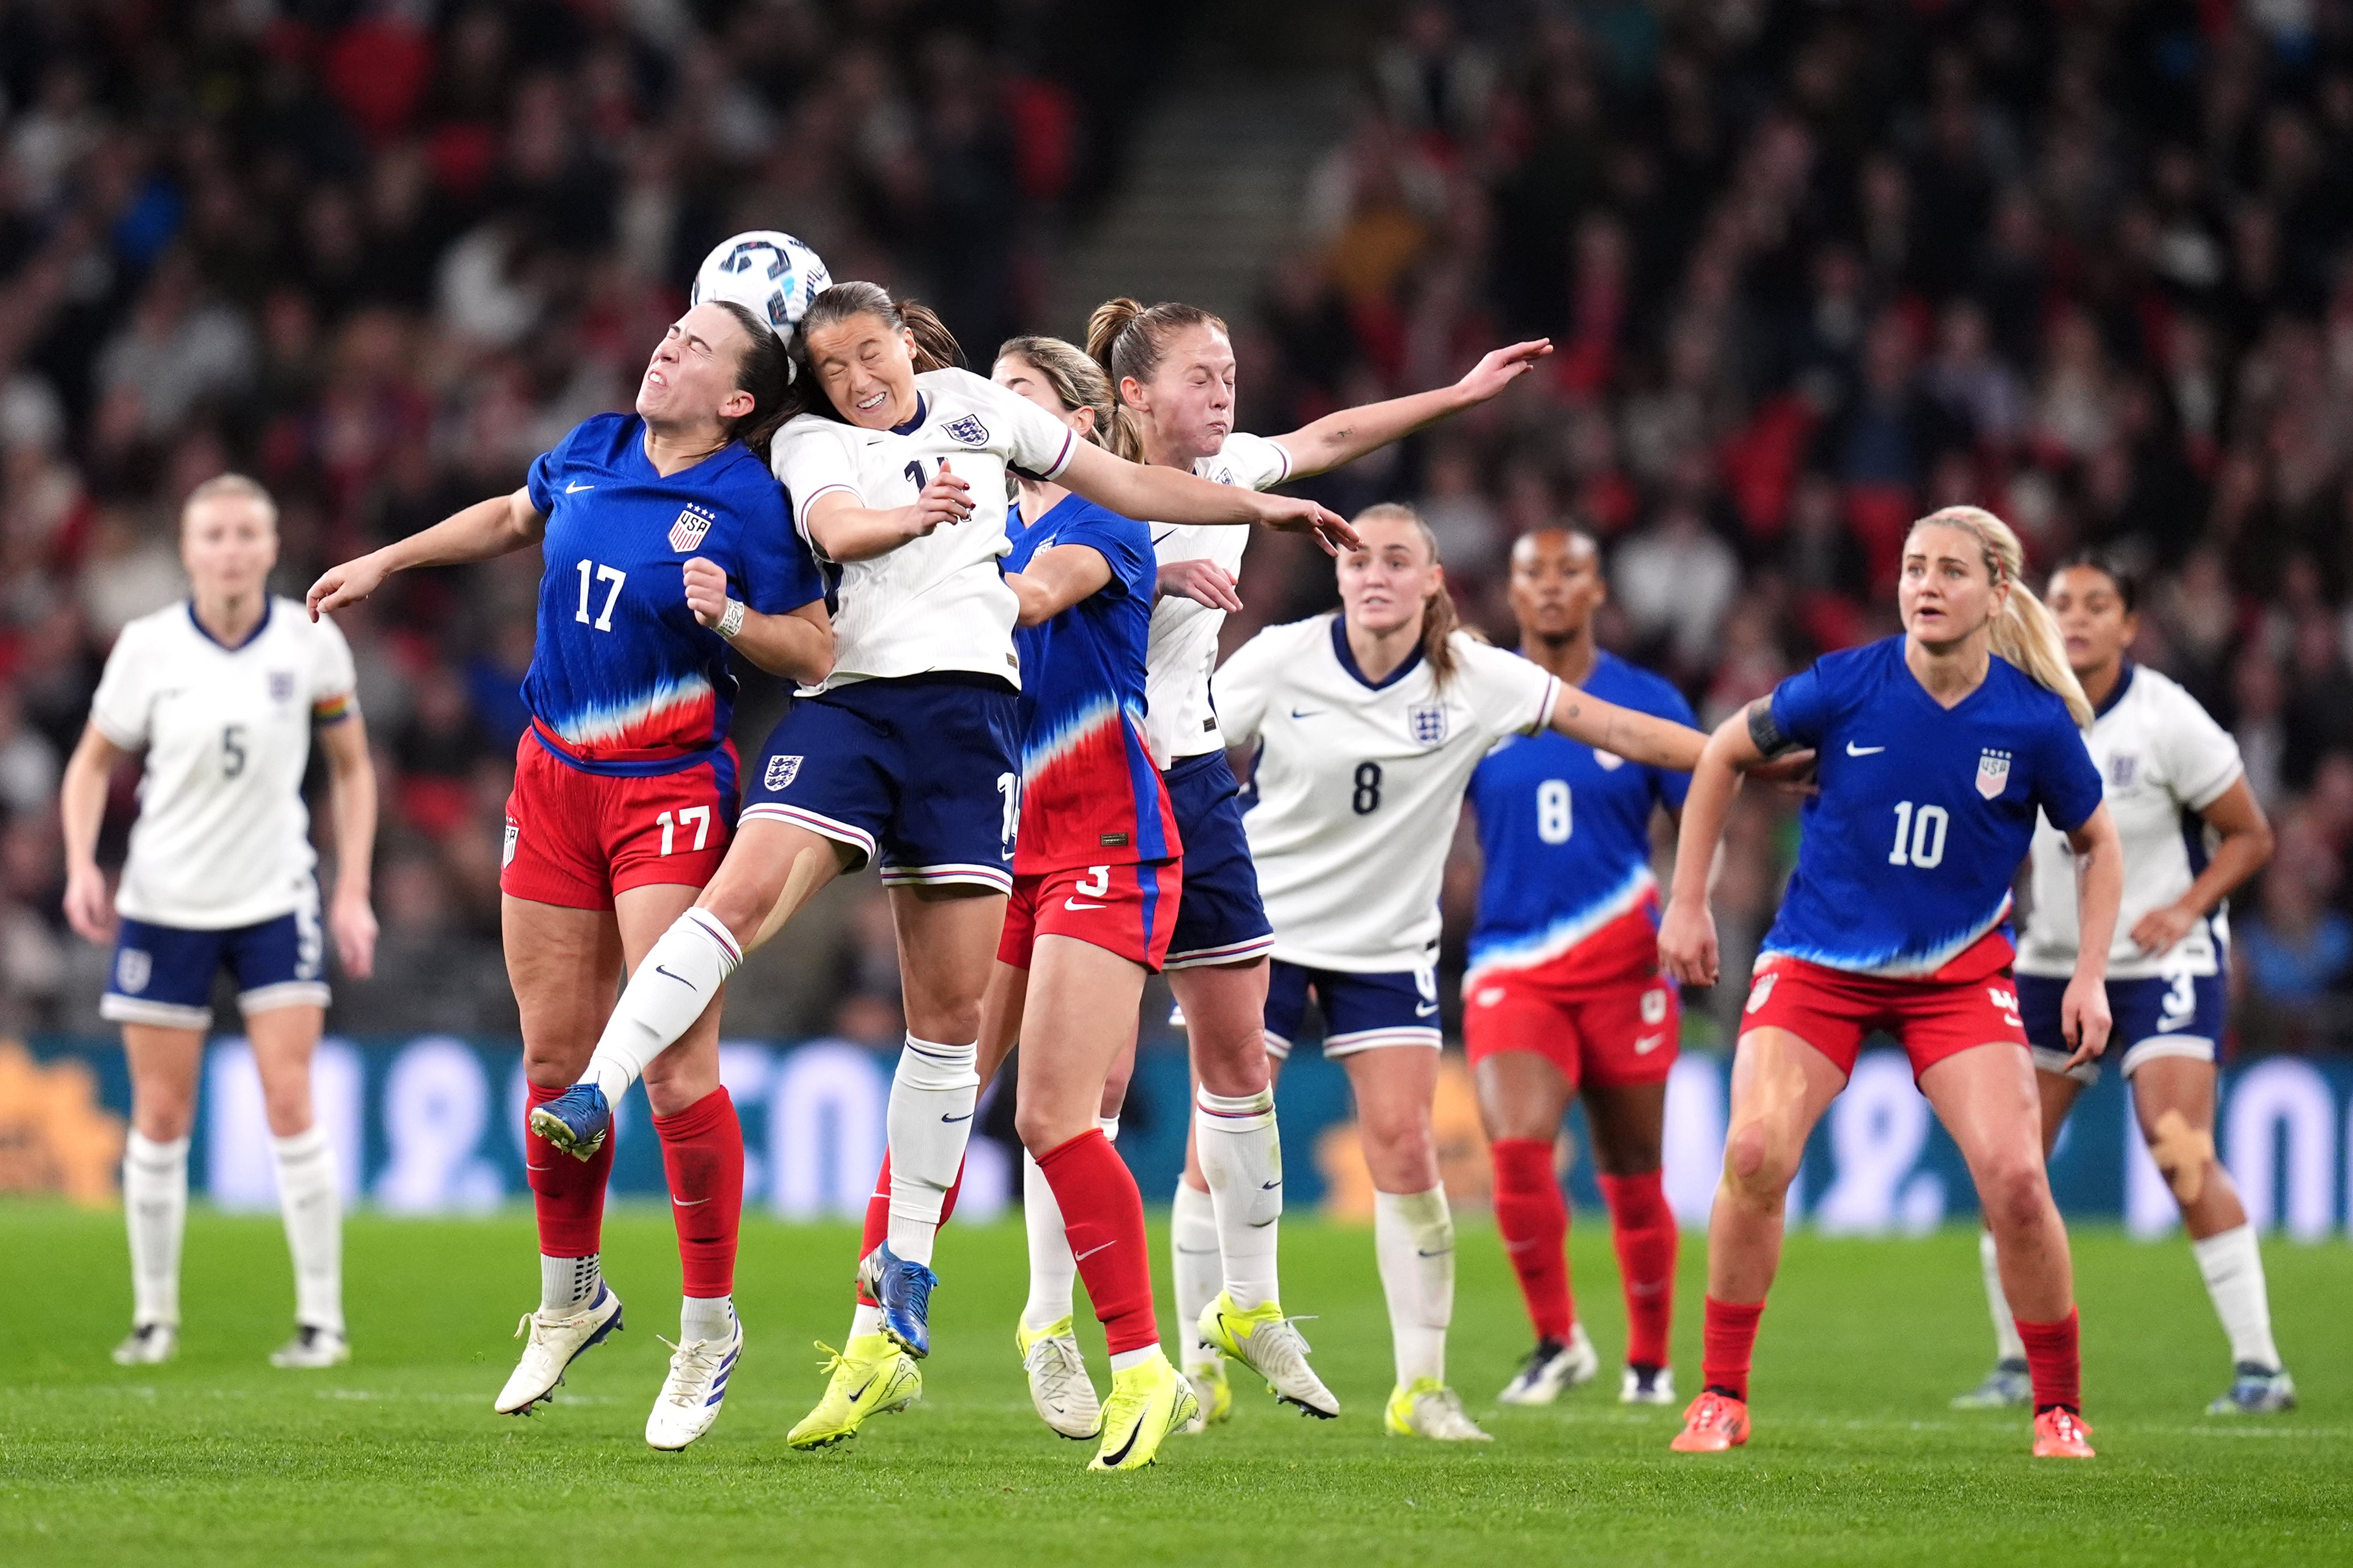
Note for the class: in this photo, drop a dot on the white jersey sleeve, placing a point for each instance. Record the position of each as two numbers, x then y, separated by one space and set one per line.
1510 695
813 457
335 677
126 689
1033 443
2199 757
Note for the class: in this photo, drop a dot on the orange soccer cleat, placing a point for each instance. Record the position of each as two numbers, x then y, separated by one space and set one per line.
2059 1434
1714 1423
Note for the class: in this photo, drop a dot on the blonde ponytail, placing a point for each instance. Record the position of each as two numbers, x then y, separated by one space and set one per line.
1438 620
2025 631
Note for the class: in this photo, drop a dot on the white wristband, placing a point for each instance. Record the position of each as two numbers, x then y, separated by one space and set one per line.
732 621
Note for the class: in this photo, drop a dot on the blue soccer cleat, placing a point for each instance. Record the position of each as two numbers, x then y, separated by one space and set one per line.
903 1292
2256 1390
576 1120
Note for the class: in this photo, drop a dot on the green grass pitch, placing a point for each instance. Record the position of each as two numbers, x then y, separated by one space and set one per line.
397 1458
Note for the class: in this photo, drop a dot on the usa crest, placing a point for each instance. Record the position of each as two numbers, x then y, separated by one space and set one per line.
1993 773
687 533
969 430
1429 723
133 969
1760 992
781 772
282 685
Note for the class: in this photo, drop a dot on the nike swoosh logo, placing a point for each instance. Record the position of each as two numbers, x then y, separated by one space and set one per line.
1644 1045
965 1117
1425 1009
1113 1461
689 1203
1073 904
576 487
1262 1224
1441 1252
1270 1186
1089 1252
862 1391
1161 538
1854 751
681 979
1305 712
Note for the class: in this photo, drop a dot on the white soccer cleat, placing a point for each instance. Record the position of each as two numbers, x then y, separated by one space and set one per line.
1656 1386
1552 1366
312 1348
1059 1388
694 1390
1271 1345
1428 1408
556 1341
150 1344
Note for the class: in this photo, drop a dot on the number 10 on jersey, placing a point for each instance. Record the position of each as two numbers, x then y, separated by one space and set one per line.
1919 836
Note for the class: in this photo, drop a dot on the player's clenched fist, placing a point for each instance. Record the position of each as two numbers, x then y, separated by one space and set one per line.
706 590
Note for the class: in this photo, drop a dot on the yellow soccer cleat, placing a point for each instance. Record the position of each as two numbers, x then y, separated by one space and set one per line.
1147 1403
1213 1396
870 1376
1271 1345
1428 1408
1059 1386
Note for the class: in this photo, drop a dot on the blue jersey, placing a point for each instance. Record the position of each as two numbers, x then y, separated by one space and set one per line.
1090 793
624 679
1566 834
1924 813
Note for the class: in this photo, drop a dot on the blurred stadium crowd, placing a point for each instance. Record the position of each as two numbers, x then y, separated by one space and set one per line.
1810 270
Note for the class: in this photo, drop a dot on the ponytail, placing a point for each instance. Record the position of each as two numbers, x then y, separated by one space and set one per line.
1129 339
1438 620
766 371
935 346
2025 631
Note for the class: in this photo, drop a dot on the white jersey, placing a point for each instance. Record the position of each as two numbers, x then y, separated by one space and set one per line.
2161 759
937 603
223 838
1358 785
1179 721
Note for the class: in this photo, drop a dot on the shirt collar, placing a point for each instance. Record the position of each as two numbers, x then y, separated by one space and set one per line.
1349 661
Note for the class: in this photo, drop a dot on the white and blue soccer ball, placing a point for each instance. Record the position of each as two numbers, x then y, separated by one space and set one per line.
769 273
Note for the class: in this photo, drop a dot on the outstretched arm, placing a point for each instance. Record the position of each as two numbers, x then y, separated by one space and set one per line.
1171 495
1621 731
489 528
1057 578
1342 438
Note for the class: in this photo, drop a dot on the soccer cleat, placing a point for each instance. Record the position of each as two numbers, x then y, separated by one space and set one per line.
693 1390
1712 1424
903 1292
1647 1386
2059 1434
1428 1408
2006 1387
1271 1345
1148 1402
312 1348
2256 1390
1553 1365
870 1376
576 1120
150 1344
557 1340
1059 1386
1213 1396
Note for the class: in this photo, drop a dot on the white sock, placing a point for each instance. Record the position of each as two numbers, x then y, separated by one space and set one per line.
678 980
1413 1233
1242 1156
312 1199
864 1321
156 1208
930 1121
1053 1272
568 1284
2235 1278
2007 1345
1199 1275
705 1318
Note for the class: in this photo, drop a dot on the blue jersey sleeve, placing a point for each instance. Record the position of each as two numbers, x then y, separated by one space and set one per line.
780 576
2066 780
1124 543
1802 706
548 466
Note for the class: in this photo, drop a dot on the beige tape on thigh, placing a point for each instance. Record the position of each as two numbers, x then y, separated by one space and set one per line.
2182 1153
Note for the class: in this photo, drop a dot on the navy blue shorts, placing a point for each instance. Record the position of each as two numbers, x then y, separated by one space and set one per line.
2165 1016
1219 919
922 772
162 975
1360 1011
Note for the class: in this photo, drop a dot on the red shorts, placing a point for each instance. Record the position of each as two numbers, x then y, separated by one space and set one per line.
575 838
1603 1034
1127 909
1833 1010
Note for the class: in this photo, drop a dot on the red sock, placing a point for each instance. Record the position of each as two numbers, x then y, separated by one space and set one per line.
878 1215
703 1155
1532 1213
1102 1215
2055 1362
1729 1334
1644 1227
567 1195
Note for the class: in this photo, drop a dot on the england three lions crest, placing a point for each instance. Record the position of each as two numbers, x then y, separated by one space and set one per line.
969 430
1429 723
687 533
781 772
1993 773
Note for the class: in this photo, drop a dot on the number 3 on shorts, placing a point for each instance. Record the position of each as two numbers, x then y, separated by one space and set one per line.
697 814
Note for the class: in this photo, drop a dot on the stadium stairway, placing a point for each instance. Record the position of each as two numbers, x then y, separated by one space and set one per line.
1212 193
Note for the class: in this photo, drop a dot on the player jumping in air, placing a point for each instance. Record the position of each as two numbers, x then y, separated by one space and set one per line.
221 692
2191 832
666 540
1562 995
1368 725
1937 750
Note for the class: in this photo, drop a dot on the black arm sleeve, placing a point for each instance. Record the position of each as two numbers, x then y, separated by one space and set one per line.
1768 735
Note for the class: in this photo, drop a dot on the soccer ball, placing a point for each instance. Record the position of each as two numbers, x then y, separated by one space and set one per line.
770 274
